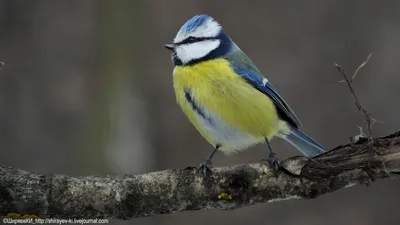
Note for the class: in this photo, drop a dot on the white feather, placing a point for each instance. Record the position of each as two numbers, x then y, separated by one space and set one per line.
196 50
210 28
264 81
230 138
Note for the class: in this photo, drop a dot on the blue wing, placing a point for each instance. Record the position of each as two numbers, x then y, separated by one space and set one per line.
261 83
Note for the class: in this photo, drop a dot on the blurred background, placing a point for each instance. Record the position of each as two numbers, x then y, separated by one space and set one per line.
87 89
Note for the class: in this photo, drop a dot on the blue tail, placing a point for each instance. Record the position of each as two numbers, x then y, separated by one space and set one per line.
304 143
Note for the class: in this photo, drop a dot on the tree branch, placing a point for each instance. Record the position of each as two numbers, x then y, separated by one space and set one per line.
129 196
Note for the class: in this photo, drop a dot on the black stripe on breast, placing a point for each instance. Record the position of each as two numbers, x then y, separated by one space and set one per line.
196 107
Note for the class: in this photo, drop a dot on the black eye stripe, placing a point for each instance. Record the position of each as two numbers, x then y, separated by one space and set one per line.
190 40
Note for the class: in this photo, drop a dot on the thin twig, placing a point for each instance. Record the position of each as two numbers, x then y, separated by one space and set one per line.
369 120
361 66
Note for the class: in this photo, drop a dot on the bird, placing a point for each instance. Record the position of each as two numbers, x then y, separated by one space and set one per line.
225 96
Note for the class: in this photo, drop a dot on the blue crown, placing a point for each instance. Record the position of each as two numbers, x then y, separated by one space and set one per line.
195 22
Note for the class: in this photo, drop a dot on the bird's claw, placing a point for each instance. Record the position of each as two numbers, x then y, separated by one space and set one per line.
205 167
273 161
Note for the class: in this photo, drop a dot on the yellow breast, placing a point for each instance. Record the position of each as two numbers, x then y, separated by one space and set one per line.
223 107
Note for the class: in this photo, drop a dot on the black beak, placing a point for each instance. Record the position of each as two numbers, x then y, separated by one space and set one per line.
169 46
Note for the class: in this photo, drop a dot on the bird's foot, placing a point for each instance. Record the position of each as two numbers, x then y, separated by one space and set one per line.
205 167
273 162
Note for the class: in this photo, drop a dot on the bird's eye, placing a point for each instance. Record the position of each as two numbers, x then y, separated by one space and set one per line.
191 39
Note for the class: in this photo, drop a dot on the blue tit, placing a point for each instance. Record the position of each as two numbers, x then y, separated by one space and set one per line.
224 95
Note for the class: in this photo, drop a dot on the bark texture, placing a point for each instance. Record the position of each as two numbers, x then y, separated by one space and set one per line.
174 190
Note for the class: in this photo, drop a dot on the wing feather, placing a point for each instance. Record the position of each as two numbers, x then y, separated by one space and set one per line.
247 70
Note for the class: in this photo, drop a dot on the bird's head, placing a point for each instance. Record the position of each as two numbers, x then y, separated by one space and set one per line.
201 38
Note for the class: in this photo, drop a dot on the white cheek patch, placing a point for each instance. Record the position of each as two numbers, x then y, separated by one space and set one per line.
210 29
197 50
